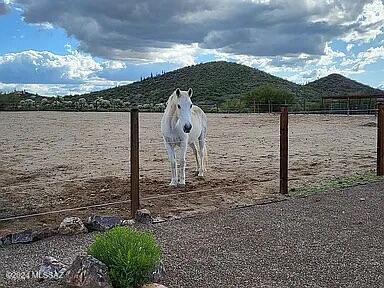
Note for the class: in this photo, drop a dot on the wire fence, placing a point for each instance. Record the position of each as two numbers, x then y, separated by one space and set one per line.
244 161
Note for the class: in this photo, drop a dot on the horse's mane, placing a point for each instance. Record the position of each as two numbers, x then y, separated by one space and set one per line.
171 104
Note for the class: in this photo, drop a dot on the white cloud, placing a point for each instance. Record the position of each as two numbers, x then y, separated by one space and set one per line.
47 73
369 24
115 65
46 67
44 26
30 67
62 89
361 60
349 47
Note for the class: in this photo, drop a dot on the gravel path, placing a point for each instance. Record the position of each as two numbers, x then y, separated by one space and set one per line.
335 239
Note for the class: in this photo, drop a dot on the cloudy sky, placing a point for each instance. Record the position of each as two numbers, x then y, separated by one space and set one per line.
66 46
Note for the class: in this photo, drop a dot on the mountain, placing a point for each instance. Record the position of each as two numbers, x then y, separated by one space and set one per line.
13 99
211 82
220 81
338 85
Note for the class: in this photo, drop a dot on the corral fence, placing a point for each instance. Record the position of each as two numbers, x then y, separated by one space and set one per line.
136 197
284 155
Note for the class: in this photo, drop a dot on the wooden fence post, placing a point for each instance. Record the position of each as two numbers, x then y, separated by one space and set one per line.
284 150
134 161
380 139
349 106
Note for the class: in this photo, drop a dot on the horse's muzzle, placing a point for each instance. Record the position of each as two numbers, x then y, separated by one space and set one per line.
187 128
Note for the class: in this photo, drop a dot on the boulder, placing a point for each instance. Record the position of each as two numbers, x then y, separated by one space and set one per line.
158 219
144 216
52 269
158 273
87 272
72 226
25 236
128 222
102 223
153 285
5 240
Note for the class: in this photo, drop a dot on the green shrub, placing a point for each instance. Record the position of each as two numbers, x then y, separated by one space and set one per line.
130 255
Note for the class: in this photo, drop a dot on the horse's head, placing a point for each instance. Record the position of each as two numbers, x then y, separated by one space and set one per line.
184 109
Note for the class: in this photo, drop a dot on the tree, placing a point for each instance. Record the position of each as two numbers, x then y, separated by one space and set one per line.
268 95
82 103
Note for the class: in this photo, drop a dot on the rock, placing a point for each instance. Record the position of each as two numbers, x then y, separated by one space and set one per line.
102 223
153 285
158 273
72 226
144 216
158 220
52 269
25 236
5 240
129 222
4 237
87 272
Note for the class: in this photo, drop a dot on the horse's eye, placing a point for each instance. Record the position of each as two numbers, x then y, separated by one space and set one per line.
191 106
178 106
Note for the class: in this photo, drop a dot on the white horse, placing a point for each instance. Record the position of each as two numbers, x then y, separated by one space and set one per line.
184 124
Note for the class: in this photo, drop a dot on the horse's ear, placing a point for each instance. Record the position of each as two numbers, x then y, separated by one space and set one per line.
190 92
178 92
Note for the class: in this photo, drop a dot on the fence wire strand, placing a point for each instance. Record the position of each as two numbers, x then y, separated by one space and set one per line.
118 202
264 137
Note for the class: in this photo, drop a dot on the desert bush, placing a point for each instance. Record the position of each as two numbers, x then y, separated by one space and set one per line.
266 94
130 255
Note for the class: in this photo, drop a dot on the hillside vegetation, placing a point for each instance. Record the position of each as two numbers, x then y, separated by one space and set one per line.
211 82
221 84
336 84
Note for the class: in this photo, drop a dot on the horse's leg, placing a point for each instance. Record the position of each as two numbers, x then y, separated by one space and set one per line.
183 153
172 159
194 149
202 154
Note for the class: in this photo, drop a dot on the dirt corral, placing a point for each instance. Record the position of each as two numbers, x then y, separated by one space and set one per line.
55 160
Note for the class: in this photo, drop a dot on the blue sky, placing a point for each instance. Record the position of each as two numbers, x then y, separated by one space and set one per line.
60 47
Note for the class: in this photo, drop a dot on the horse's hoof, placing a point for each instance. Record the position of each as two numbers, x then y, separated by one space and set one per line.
196 173
172 184
181 185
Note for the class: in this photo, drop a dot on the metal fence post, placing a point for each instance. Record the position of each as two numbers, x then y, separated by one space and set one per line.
380 139
284 150
134 161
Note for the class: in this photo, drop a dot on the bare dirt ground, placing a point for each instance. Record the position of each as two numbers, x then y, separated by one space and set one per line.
57 160
331 239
